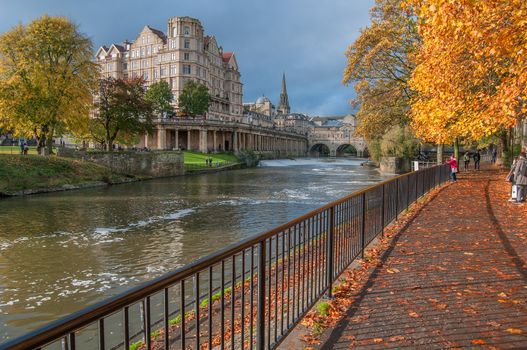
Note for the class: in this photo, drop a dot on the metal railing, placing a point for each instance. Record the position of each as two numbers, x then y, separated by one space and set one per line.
248 295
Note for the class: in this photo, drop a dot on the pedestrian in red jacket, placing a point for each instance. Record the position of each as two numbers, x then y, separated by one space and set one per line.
453 168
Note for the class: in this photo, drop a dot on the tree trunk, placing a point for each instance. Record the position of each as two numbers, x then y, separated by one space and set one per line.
49 143
456 149
439 154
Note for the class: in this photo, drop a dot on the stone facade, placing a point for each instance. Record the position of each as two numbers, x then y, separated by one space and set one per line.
335 133
183 53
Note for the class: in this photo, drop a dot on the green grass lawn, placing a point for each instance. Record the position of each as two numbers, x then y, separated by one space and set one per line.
19 172
16 150
199 158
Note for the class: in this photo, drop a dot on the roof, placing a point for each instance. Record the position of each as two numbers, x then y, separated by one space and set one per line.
227 56
119 47
158 32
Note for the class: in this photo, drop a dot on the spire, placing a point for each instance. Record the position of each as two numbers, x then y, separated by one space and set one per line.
283 107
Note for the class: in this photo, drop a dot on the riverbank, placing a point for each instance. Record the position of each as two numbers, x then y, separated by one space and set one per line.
31 174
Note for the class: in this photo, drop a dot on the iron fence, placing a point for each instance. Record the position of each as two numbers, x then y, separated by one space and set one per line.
249 295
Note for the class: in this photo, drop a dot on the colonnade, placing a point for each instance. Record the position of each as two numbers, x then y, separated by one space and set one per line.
220 140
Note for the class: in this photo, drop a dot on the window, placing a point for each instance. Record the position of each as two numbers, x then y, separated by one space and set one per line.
149 50
163 71
173 69
186 56
142 52
109 67
145 75
155 74
187 44
173 56
173 44
174 31
186 69
186 30
125 66
142 40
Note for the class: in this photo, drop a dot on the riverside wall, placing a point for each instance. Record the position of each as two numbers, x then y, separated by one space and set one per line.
151 163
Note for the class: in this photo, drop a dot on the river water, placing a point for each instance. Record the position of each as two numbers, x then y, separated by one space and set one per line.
60 252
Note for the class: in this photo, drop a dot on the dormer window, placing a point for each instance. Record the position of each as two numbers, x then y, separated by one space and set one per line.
186 30
174 31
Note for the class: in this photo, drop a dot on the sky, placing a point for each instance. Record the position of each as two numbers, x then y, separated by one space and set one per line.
305 39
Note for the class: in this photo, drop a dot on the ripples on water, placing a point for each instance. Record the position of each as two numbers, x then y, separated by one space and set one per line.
60 252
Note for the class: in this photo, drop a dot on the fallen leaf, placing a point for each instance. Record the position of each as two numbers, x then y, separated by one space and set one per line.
378 340
478 342
514 331
503 295
467 253
394 270
414 314
397 338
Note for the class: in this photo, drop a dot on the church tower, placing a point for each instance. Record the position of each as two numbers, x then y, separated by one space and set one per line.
283 107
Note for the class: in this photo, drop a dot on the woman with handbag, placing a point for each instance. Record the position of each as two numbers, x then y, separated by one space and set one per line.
453 168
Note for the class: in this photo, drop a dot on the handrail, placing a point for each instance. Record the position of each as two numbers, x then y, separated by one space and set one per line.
306 235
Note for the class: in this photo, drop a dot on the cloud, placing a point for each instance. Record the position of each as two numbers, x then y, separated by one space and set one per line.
306 39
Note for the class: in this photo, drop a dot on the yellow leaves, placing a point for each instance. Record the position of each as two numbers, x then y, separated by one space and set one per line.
478 342
514 331
393 270
414 314
469 76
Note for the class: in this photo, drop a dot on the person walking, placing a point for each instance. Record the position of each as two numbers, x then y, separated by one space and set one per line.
466 158
477 158
520 177
494 155
453 168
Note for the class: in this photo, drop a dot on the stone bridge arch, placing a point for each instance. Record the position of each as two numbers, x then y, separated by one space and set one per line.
336 149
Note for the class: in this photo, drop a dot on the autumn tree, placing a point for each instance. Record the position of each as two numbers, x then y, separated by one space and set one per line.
379 64
471 75
194 99
160 95
121 111
46 79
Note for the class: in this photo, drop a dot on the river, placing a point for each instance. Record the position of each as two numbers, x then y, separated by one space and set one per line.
60 252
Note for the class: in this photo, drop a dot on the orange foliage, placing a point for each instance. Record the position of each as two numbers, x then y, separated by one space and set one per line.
470 75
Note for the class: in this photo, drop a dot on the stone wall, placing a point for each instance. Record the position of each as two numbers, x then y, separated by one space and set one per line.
395 165
152 163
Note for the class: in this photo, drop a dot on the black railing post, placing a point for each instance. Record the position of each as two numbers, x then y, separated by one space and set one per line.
260 327
330 249
396 199
363 226
382 212
416 186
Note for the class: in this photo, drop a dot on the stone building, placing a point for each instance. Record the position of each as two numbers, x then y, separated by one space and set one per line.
262 105
336 135
183 53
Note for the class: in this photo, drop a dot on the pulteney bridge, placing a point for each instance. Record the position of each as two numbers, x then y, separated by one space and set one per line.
336 141
206 135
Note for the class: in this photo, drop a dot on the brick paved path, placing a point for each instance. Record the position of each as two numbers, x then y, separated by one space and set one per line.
456 277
